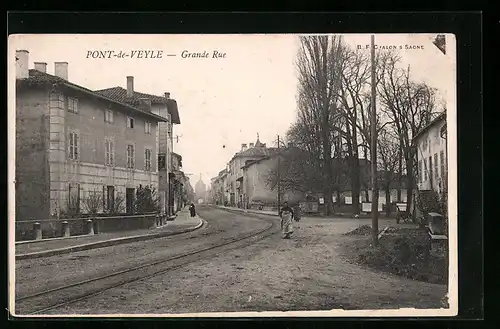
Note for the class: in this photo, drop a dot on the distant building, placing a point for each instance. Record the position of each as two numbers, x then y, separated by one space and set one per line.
256 188
72 142
200 190
220 188
237 195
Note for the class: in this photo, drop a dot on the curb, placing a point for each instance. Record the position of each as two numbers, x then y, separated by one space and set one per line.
107 243
247 211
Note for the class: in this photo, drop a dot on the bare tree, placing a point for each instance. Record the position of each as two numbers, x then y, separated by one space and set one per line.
388 149
409 106
319 66
93 202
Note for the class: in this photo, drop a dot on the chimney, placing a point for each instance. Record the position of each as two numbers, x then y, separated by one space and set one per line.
243 147
130 86
251 145
61 70
41 66
167 95
145 104
22 64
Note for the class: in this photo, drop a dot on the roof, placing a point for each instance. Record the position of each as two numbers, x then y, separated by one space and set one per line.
43 79
120 94
436 120
256 152
271 153
177 155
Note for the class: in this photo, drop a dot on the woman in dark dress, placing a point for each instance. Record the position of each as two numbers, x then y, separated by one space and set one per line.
192 210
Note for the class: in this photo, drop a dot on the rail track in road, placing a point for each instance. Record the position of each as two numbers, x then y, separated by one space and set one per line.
51 299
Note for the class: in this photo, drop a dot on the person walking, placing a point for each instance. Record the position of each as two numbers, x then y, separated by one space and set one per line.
286 214
192 210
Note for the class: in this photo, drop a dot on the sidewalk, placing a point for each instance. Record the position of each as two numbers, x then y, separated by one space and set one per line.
337 216
183 223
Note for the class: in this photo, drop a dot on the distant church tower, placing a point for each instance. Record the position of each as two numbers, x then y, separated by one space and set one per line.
200 190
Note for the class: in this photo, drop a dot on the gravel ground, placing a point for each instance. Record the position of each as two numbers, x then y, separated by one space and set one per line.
307 272
33 275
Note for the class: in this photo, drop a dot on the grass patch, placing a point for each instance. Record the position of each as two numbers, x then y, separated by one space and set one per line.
404 252
362 230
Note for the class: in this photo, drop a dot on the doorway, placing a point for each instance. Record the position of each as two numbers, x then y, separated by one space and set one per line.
130 200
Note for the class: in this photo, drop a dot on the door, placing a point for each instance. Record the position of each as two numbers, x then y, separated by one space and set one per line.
129 200
110 198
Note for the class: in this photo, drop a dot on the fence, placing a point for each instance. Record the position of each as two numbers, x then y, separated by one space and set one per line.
55 228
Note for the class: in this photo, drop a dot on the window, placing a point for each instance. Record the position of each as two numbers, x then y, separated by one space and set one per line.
109 146
425 170
147 127
74 198
430 169
443 169
73 105
108 198
108 116
420 173
130 122
161 162
73 145
147 158
436 164
130 156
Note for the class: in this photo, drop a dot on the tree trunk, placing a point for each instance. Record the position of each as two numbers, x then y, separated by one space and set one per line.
409 182
355 184
328 201
387 201
400 171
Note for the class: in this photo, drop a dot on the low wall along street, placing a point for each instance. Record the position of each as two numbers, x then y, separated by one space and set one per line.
54 228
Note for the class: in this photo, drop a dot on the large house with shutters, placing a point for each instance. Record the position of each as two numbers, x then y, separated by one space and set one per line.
72 142
169 176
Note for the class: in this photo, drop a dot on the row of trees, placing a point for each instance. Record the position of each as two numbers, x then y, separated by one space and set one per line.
333 120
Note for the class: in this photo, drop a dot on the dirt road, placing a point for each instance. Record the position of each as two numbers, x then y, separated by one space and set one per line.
308 272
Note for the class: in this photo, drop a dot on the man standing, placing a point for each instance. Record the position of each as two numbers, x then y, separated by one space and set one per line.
286 214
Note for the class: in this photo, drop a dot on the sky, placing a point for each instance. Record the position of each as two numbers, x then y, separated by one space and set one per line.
226 101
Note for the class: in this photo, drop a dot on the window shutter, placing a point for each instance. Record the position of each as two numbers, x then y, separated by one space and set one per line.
77 146
112 153
104 198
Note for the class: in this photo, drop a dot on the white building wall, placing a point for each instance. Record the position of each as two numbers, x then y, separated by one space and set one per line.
431 144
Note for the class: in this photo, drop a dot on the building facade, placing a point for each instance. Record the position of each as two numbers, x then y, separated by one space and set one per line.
255 151
256 186
432 162
165 107
177 183
72 142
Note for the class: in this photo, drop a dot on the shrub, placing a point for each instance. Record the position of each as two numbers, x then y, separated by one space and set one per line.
72 208
118 205
92 203
147 200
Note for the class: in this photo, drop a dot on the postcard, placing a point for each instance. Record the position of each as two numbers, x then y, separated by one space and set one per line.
232 175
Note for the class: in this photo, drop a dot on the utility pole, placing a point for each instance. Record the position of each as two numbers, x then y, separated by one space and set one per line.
279 176
374 146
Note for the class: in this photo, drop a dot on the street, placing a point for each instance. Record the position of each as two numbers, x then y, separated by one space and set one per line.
212 270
